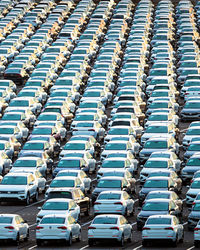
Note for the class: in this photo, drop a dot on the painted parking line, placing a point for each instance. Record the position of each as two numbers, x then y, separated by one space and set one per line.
86 223
184 200
84 247
35 203
190 248
30 248
33 225
137 247
133 223
185 223
94 179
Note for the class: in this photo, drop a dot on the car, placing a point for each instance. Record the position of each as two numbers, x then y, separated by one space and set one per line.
103 227
193 217
78 173
190 168
191 133
118 202
19 186
156 183
63 227
191 194
155 164
65 182
191 110
59 206
158 144
14 228
31 164
162 227
156 207
111 183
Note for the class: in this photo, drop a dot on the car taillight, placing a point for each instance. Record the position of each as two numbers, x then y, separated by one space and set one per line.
9 227
97 203
146 228
186 93
38 227
115 228
193 203
196 229
118 203
169 228
62 227
191 181
91 227
91 129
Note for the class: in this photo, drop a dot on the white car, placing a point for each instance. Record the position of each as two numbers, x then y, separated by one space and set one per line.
162 227
110 226
13 227
58 227
59 206
118 202
77 173
19 186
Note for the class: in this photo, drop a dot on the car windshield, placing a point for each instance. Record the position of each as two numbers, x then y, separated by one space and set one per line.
33 146
193 162
195 184
193 132
196 207
156 184
158 196
19 103
68 163
55 206
74 146
6 131
157 129
155 206
24 163
153 221
155 144
42 131
192 105
92 94
44 117
121 131
84 118
113 164
109 196
194 147
53 220
115 146
61 194
12 117
155 164
52 109
109 184
62 183
105 220
158 105
14 180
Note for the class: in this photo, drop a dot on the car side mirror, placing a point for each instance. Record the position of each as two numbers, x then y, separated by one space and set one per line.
31 183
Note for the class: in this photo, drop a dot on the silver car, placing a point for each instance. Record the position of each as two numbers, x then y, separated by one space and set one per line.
13 227
109 227
58 227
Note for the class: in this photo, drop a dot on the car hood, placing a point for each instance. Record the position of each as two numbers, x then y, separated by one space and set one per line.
99 190
46 212
149 170
191 169
151 150
24 153
194 214
193 191
147 190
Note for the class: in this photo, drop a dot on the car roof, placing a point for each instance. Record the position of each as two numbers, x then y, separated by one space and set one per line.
59 200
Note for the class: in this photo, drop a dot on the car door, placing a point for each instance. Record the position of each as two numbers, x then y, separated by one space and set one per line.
32 185
126 197
74 210
74 226
20 226
123 223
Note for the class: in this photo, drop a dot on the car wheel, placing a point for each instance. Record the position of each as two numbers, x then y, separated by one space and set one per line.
27 236
78 239
27 201
39 242
69 241
122 241
196 244
131 237
144 243
175 243
90 242
36 196
17 241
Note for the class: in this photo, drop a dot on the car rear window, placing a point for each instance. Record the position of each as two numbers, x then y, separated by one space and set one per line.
5 220
53 220
159 221
61 194
109 197
105 220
